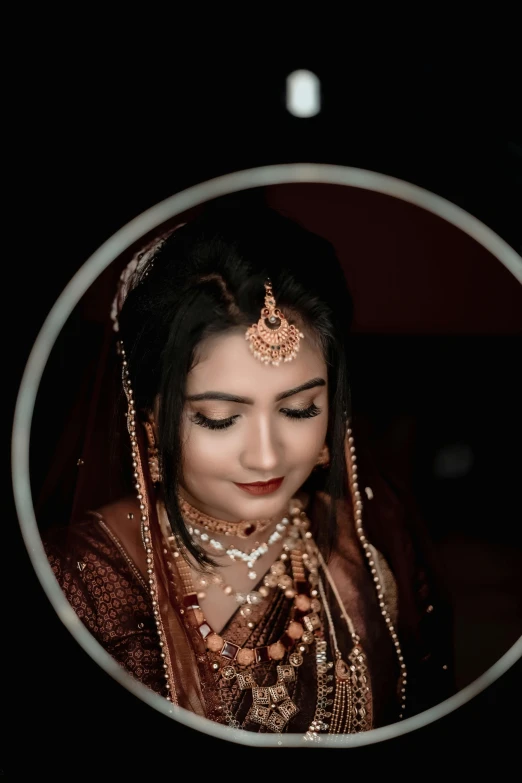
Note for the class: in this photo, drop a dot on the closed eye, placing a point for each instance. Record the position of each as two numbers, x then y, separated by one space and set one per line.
223 424
214 424
302 413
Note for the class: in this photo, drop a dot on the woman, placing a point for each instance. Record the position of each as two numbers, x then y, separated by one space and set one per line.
258 571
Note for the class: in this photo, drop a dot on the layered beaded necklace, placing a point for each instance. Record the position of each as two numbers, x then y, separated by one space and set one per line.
276 577
350 708
272 706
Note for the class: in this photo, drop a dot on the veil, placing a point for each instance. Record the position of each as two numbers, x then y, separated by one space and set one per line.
88 457
80 455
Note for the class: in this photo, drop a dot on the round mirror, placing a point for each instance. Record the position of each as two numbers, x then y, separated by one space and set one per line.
427 582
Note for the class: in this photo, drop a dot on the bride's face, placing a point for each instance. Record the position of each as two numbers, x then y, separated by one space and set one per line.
245 422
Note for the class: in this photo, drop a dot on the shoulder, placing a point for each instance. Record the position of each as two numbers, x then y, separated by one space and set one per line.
94 539
107 538
122 522
99 579
64 544
78 553
122 514
87 554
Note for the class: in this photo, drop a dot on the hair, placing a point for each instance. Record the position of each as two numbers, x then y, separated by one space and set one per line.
208 278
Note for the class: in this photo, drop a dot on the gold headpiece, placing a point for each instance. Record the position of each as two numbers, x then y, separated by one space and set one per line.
273 339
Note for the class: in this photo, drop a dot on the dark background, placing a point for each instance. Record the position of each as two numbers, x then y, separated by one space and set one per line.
109 137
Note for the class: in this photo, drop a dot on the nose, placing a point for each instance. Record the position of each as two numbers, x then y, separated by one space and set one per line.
261 453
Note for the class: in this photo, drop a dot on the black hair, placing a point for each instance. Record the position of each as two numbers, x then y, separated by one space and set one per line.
207 278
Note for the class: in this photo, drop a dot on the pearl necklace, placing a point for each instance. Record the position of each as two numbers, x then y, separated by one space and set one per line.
250 558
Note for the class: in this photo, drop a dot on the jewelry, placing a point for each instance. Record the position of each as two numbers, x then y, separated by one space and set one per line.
231 652
272 706
352 691
272 339
358 511
318 723
277 577
346 676
242 529
152 453
323 458
250 558
139 478
252 597
352 711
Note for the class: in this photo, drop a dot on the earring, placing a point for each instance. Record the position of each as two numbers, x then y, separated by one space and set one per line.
152 453
323 458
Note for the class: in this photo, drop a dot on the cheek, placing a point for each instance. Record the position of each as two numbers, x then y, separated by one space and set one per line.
305 439
205 452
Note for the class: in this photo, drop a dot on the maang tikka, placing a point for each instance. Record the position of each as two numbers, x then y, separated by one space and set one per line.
272 339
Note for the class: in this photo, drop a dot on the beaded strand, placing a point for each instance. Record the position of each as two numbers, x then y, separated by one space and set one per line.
145 526
358 509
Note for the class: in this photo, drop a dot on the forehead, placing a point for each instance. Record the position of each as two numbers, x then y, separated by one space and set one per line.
225 363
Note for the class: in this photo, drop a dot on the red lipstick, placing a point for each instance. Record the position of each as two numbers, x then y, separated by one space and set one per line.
262 487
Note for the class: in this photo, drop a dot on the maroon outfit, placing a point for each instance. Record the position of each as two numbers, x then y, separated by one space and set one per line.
110 596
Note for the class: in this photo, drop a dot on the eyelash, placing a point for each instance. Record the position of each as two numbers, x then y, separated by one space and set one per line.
223 424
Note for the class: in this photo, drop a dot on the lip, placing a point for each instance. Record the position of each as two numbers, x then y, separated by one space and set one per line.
262 487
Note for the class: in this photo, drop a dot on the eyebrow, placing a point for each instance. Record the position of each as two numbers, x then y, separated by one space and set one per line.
215 395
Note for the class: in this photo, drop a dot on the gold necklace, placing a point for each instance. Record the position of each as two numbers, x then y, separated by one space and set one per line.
246 656
241 529
276 577
272 706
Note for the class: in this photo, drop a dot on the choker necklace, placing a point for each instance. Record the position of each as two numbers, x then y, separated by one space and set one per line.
241 529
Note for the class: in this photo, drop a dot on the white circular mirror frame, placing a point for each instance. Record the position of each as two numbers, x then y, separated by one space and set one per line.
148 221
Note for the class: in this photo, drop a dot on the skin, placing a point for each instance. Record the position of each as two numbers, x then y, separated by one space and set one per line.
263 442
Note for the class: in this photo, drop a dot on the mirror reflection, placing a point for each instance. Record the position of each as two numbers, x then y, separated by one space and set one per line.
266 496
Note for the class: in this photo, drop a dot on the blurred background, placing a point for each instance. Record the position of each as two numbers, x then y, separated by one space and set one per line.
437 318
